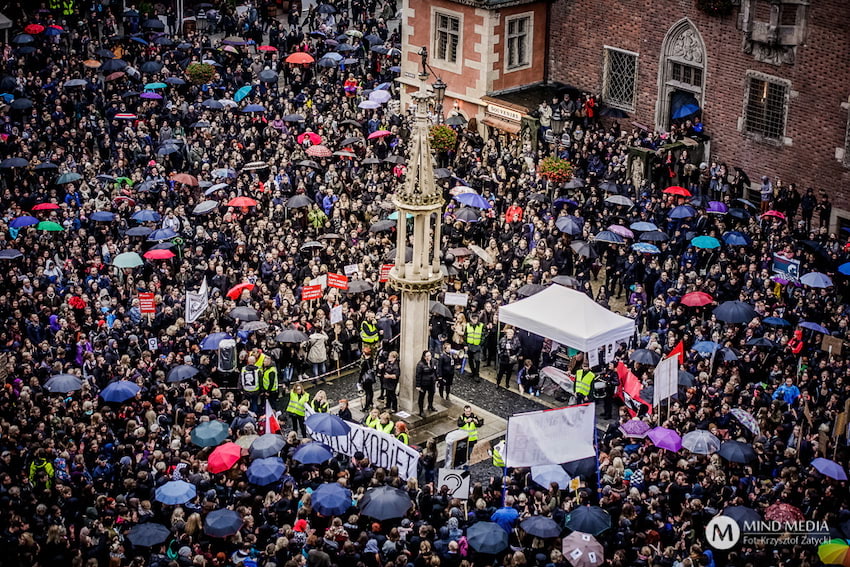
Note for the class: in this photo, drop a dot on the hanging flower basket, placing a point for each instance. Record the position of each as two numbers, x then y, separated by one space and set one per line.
443 138
555 169
715 7
200 73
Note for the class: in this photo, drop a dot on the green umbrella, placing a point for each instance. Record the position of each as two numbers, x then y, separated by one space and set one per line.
126 180
127 260
50 226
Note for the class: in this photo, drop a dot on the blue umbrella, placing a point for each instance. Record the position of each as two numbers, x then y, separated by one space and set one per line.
777 321
706 347
609 236
708 242
844 269
337 57
565 201
103 216
569 225
642 226
10 254
23 221
814 327
63 383
645 248
736 238
161 234
682 212
331 499
148 534
473 200
139 231
829 468
266 471
328 424
212 341
545 475
120 391
152 86
313 454
682 105
222 523
816 279
487 537
146 215
242 93
254 108
175 492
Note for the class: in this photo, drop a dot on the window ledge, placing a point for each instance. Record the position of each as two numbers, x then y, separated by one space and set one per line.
762 139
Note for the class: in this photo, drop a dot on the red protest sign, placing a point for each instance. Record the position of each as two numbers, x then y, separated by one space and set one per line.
147 303
309 292
338 281
385 272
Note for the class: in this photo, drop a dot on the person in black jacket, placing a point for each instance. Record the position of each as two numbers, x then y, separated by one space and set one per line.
446 367
426 378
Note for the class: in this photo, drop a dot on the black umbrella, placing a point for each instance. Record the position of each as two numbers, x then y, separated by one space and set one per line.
566 281
22 38
326 9
589 520
104 53
761 342
742 515
268 445
181 372
21 104
584 468
468 214
63 383
349 122
291 336
686 379
151 67
212 104
10 254
385 503
382 225
113 65
734 312
487 537
584 248
569 225
148 534
268 76
153 24
408 254
293 118
358 286
244 313
645 356
309 163
654 236
541 526
311 245
530 289
456 120
737 452
371 161
13 162
222 523
298 201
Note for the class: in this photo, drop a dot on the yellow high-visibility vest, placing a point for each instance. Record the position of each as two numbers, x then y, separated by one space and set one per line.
388 428
584 381
297 403
474 333
369 332
472 431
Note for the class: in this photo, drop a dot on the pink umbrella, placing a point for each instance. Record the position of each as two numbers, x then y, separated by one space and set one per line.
621 230
160 254
635 428
664 438
312 136
379 134
775 214
319 151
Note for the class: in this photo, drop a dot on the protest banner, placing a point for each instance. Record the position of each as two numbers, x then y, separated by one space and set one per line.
385 272
147 303
537 438
338 281
788 267
666 380
456 298
336 314
309 292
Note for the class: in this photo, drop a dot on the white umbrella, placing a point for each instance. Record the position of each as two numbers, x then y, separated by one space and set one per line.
701 442
545 475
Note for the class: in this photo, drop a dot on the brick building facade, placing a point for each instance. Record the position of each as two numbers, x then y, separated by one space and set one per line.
772 78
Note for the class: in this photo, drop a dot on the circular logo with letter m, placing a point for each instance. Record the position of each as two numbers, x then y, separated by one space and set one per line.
722 532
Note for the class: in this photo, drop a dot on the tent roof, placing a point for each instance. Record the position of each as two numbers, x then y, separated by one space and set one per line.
568 317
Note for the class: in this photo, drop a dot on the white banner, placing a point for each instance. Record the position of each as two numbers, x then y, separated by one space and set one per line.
336 314
197 302
457 481
382 449
453 298
666 380
551 437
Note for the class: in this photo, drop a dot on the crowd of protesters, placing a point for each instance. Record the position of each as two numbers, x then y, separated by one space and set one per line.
106 162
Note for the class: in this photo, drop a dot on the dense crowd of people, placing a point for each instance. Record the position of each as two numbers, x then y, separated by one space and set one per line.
125 175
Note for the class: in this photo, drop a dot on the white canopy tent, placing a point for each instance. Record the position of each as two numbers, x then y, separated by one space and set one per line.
568 317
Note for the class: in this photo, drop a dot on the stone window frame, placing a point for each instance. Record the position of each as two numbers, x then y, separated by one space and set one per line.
607 77
757 136
434 59
529 41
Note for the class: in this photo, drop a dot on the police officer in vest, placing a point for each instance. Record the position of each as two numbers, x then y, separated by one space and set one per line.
269 383
370 335
470 423
584 382
249 381
474 340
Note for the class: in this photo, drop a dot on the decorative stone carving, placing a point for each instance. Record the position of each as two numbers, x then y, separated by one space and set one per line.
687 47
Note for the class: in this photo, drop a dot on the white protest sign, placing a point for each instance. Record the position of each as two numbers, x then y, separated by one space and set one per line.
537 438
456 298
457 481
336 314
153 343
351 269
666 379
593 357
381 449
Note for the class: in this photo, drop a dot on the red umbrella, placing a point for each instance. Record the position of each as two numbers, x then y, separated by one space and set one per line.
186 179
379 134
242 202
34 29
126 116
696 299
783 512
319 151
676 190
300 58
45 207
776 214
237 290
224 457
123 198
312 136
159 254
115 75
267 48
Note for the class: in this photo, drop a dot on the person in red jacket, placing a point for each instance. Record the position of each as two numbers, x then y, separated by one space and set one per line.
514 213
795 343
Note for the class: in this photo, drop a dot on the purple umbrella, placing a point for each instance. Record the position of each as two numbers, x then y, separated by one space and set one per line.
717 207
635 428
829 468
664 438
152 96
621 230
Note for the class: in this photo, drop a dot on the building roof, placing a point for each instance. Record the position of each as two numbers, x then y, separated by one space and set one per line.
529 98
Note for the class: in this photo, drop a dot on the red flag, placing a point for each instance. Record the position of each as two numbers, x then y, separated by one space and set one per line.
272 425
629 391
678 350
